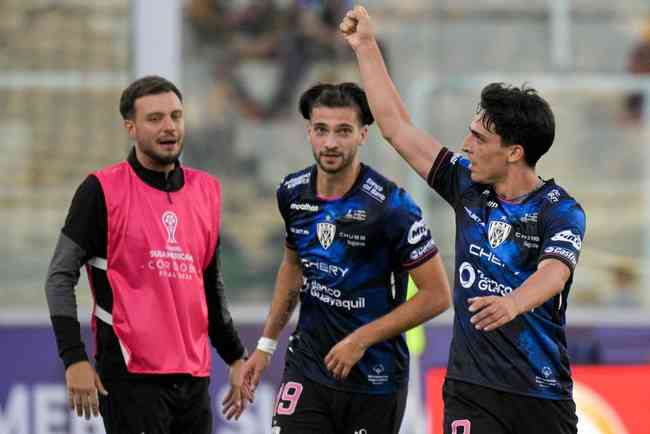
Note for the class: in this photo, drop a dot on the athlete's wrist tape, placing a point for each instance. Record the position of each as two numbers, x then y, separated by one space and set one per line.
267 345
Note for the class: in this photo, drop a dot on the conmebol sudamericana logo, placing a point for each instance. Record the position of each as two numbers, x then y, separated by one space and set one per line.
170 220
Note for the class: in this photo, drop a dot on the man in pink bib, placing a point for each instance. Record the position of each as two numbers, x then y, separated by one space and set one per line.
147 230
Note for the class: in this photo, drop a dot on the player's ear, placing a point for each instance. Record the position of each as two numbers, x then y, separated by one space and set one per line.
515 153
129 125
364 134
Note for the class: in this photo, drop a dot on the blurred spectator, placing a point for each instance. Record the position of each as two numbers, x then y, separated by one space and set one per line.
638 63
295 37
626 291
234 32
312 36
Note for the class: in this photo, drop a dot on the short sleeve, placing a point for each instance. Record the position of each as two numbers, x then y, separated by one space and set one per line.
564 230
450 176
408 233
281 197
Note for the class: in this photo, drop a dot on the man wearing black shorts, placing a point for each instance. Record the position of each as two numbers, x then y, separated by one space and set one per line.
518 240
352 239
147 230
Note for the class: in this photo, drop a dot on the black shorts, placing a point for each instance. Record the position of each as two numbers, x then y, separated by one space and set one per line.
474 409
305 407
157 405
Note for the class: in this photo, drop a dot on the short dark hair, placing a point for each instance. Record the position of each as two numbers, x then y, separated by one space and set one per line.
336 95
519 116
149 85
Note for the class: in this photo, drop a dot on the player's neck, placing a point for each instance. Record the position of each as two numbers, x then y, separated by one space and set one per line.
335 185
517 185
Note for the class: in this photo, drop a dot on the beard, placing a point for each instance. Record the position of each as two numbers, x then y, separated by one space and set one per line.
163 158
346 161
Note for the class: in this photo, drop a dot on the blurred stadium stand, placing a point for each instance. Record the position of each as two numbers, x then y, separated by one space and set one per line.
65 63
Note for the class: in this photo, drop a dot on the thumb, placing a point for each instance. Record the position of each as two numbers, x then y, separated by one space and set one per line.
100 386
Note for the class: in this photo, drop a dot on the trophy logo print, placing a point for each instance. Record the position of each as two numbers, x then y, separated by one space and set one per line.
170 220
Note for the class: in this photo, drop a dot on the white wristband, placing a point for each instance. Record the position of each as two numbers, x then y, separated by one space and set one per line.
267 345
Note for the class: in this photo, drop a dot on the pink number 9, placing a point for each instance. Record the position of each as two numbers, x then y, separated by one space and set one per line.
288 397
465 424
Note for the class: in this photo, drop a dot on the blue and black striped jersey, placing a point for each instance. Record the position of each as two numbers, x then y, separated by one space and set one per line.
355 252
498 246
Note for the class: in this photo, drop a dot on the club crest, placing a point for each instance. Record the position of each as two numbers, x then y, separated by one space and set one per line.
498 232
326 232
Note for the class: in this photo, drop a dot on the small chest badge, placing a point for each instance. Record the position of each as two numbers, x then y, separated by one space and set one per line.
498 232
326 232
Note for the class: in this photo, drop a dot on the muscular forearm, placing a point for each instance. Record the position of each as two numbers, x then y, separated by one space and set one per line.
384 99
417 147
419 309
285 298
543 284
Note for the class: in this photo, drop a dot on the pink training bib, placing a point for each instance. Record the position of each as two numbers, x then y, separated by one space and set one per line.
158 246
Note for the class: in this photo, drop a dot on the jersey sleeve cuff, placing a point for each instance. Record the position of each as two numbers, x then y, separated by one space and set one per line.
562 259
74 355
413 264
437 163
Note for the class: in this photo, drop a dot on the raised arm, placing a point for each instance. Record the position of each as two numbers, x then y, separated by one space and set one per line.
416 146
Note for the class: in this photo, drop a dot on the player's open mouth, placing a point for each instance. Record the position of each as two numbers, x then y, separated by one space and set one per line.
167 142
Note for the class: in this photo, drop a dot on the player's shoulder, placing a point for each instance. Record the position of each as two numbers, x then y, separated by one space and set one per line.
556 201
385 193
376 185
296 182
193 173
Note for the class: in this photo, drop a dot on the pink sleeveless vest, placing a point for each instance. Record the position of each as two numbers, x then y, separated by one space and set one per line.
158 246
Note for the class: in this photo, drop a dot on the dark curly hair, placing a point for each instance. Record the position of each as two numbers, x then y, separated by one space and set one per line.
520 116
336 95
149 85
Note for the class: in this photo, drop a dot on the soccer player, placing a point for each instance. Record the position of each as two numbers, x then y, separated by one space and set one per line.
148 231
352 239
518 239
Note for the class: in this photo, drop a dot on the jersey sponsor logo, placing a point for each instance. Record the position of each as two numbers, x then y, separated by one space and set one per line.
355 215
298 231
569 237
325 232
484 254
553 196
422 250
374 190
547 379
565 253
417 231
379 377
530 241
492 204
304 207
474 217
332 296
498 232
333 270
529 218
353 240
468 276
298 180
170 221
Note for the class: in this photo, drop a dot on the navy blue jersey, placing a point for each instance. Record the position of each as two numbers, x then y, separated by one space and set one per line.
498 246
355 252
